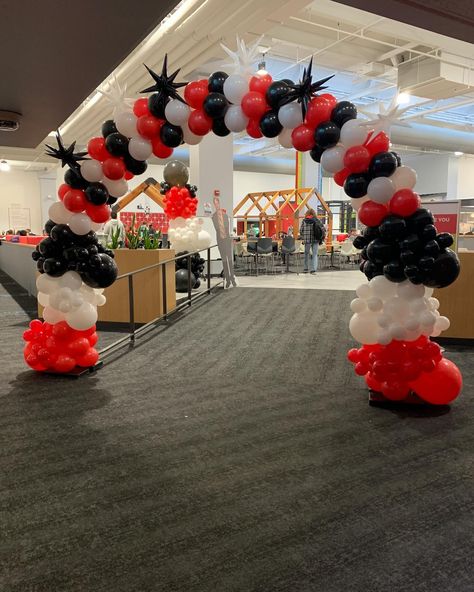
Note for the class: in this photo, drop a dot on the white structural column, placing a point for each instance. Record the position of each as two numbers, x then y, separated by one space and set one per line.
309 172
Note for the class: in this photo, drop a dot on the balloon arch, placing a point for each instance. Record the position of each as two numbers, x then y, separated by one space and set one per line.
403 255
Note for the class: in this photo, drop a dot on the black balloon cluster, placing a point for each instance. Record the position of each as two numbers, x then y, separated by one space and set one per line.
117 145
409 248
197 269
63 250
165 187
382 164
215 104
327 133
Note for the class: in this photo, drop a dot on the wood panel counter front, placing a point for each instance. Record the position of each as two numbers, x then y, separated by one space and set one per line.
147 286
456 301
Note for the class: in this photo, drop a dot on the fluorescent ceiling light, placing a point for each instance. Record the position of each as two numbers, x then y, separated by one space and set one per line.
458 153
403 98
4 166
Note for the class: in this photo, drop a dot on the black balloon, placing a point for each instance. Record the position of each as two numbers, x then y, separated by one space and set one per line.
393 228
215 105
97 194
429 232
316 152
372 269
398 157
54 267
394 271
36 255
343 112
109 127
414 274
370 232
49 225
101 274
411 242
171 135
379 251
276 92
270 125
215 83
417 221
111 200
75 179
327 134
157 104
117 144
426 263
359 242
220 129
62 234
287 81
136 167
49 248
383 164
408 257
444 240
444 271
431 248
182 280
40 265
356 184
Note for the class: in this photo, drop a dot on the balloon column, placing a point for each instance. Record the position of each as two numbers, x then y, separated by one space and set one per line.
404 257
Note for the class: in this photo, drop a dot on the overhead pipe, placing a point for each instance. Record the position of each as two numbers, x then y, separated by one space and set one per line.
426 136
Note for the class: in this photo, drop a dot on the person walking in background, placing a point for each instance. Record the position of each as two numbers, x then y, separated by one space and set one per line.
312 234
111 228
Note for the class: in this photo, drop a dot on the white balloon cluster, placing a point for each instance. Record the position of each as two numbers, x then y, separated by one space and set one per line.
384 311
67 298
186 234
78 223
92 171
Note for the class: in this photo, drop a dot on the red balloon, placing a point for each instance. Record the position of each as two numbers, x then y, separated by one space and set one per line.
93 339
159 149
381 143
140 107
253 129
128 175
148 126
195 92
441 386
63 189
64 363
88 359
340 177
78 347
353 355
254 104
199 123
319 110
372 213
99 214
372 383
302 138
36 325
357 159
75 200
395 391
404 202
96 149
113 168
62 330
260 82
329 97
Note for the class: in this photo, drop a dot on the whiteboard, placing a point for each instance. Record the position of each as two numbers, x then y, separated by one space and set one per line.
19 218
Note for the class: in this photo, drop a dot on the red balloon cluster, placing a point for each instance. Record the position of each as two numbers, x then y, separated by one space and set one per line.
59 348
194 94
357 158
403 366
254 103
179 203
319 111
404 202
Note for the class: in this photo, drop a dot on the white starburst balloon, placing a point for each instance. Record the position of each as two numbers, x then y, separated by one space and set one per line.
115 93
244 58
387 117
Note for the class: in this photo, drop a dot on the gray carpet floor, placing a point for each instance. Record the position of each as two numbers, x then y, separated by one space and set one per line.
234 451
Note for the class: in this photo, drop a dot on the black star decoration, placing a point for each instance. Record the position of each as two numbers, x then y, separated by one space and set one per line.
165 85
67 156
305 90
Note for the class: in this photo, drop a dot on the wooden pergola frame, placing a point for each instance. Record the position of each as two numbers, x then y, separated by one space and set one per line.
296 199
149 188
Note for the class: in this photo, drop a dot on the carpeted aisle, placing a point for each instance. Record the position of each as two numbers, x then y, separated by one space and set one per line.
233 452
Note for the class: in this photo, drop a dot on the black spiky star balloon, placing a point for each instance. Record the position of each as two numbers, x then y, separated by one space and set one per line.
165 85
305 90
67 156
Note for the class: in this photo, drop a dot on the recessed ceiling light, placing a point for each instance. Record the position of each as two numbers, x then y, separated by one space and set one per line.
457 153
4 166
403 98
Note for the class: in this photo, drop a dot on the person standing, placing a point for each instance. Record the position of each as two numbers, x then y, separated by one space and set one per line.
224 242
110 229
312 234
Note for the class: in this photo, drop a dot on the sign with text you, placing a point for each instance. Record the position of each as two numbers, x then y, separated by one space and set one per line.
446 217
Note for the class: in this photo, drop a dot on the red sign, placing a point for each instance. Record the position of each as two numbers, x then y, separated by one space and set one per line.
446 222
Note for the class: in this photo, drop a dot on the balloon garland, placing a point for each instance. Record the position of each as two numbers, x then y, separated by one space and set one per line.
403 256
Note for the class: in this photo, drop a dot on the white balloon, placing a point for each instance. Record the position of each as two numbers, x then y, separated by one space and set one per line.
356 202
139 148
364 328
58 213
397 331
91 170
384 321
385 337
409 291
403 177
80 223
83 317
352 133
412 324
235 87
290 115
177 112
428 292
374 304
284 138
52 316
332 159
380 189
434 303
397 308
442 324
358 305
189 138
204 239
116 188
234 119
43 299
427 318
71 280
46 284
364 291
100 300
126 124
382 287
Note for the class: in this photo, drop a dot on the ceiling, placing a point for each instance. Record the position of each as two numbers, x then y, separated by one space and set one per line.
57 53
363 50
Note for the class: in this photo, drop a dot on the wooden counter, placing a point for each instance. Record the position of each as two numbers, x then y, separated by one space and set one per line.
456 301
148 294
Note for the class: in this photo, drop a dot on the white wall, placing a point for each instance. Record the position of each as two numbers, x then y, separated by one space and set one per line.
465 184
20 189
432 171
